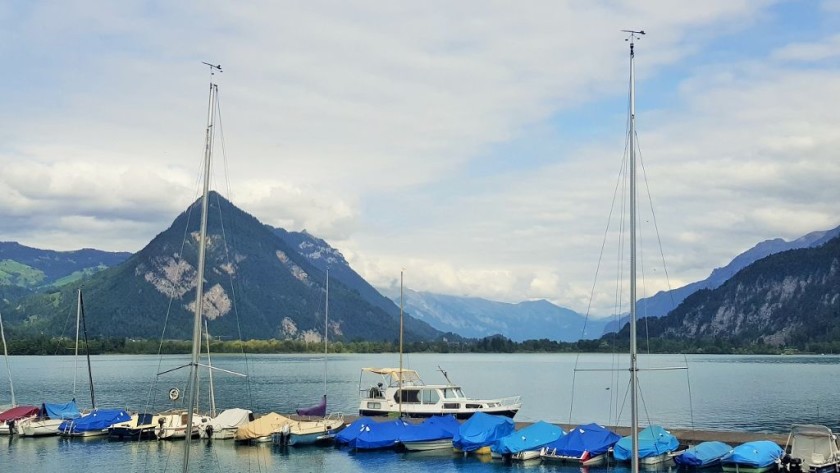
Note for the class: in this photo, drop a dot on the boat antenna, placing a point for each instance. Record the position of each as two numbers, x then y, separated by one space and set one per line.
218 67
634 381
445 375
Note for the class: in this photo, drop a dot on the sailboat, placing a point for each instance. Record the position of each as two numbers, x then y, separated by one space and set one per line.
16 413
315 426
51 416
658 443
97 421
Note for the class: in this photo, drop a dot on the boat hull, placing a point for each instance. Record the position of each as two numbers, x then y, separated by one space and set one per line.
736 468
40 428
421 414
590 461
426 445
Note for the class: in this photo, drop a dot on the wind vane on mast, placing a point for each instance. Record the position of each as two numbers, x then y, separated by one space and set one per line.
218 67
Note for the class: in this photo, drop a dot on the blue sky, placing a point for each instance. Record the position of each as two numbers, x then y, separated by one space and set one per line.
475 144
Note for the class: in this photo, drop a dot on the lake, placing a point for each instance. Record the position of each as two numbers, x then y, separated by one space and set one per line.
751 393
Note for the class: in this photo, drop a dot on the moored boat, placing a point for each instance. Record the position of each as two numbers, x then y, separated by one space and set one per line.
49 418
753 457
418 399
480 431
262 429
656 445
93 424
10 417
434 433
703 455
811 448
223 426
139 427
525 444
587 445
172 425
302 432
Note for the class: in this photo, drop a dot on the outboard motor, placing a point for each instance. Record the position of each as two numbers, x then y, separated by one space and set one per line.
209 431
795 465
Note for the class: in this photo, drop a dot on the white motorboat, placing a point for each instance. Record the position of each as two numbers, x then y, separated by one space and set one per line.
402 391
811 449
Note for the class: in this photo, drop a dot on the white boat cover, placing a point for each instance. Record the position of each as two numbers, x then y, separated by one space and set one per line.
262 427
230 418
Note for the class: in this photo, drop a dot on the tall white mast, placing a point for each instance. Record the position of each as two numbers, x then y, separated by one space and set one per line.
401 341
199 291
6 356
76 353
634 381
326 329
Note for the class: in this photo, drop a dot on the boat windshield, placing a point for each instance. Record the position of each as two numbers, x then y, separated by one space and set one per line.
452 393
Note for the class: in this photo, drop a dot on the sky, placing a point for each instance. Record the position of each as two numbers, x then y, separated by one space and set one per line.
475 145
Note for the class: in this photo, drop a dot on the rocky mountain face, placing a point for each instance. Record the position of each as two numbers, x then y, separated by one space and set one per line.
786 299
256 286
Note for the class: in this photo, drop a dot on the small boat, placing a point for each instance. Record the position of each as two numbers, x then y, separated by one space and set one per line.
656 445
172 425
702 455
262 429
310 431
418 399
587 445
49 418
811 448
753 457
139 427
223 426
525 444
480 431
10 417
432 434
380 435
348 435
94 424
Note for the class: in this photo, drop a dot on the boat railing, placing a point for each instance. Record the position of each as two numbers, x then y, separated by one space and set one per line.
510 400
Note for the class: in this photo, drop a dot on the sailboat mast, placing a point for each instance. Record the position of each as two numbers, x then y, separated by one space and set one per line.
634 381
326 329
6 357
87 349
76 353
199 290
401 341
210 372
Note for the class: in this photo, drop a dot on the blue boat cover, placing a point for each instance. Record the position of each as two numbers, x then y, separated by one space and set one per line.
348 434
703 454
758 454
592 439
529 438
481 430
380 435
99 419
433 428
61 411
653 441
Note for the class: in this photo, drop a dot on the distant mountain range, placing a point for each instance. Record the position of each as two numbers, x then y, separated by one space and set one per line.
269 283
257 287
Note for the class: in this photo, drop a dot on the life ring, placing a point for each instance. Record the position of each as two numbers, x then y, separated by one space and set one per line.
174 394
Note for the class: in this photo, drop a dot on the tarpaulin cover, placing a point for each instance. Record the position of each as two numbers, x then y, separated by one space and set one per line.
433 428
532 437
481 430
262 427
349 434
756 454
18 412
379 435
703 454
61 411
592 438
99 419
653 441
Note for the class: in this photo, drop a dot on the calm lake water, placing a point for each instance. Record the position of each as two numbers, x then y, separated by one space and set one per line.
753 393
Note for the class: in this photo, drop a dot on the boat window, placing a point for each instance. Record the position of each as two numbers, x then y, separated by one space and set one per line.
430 396
408 396
458 392
451 393
451 405
374 405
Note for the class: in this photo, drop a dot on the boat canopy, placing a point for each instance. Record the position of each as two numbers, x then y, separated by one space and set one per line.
591 439
481 430
231 418
262 427
99 419
409 377
653 441
703 454
318 410
758 454
61 411
433 428
532 437
18 412
348 435
380 435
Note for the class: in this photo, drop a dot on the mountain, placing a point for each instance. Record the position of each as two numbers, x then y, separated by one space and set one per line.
256 284
663 302
474 317
790 298
33 268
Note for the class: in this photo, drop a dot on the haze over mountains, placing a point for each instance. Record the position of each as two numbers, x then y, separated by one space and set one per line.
266 282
